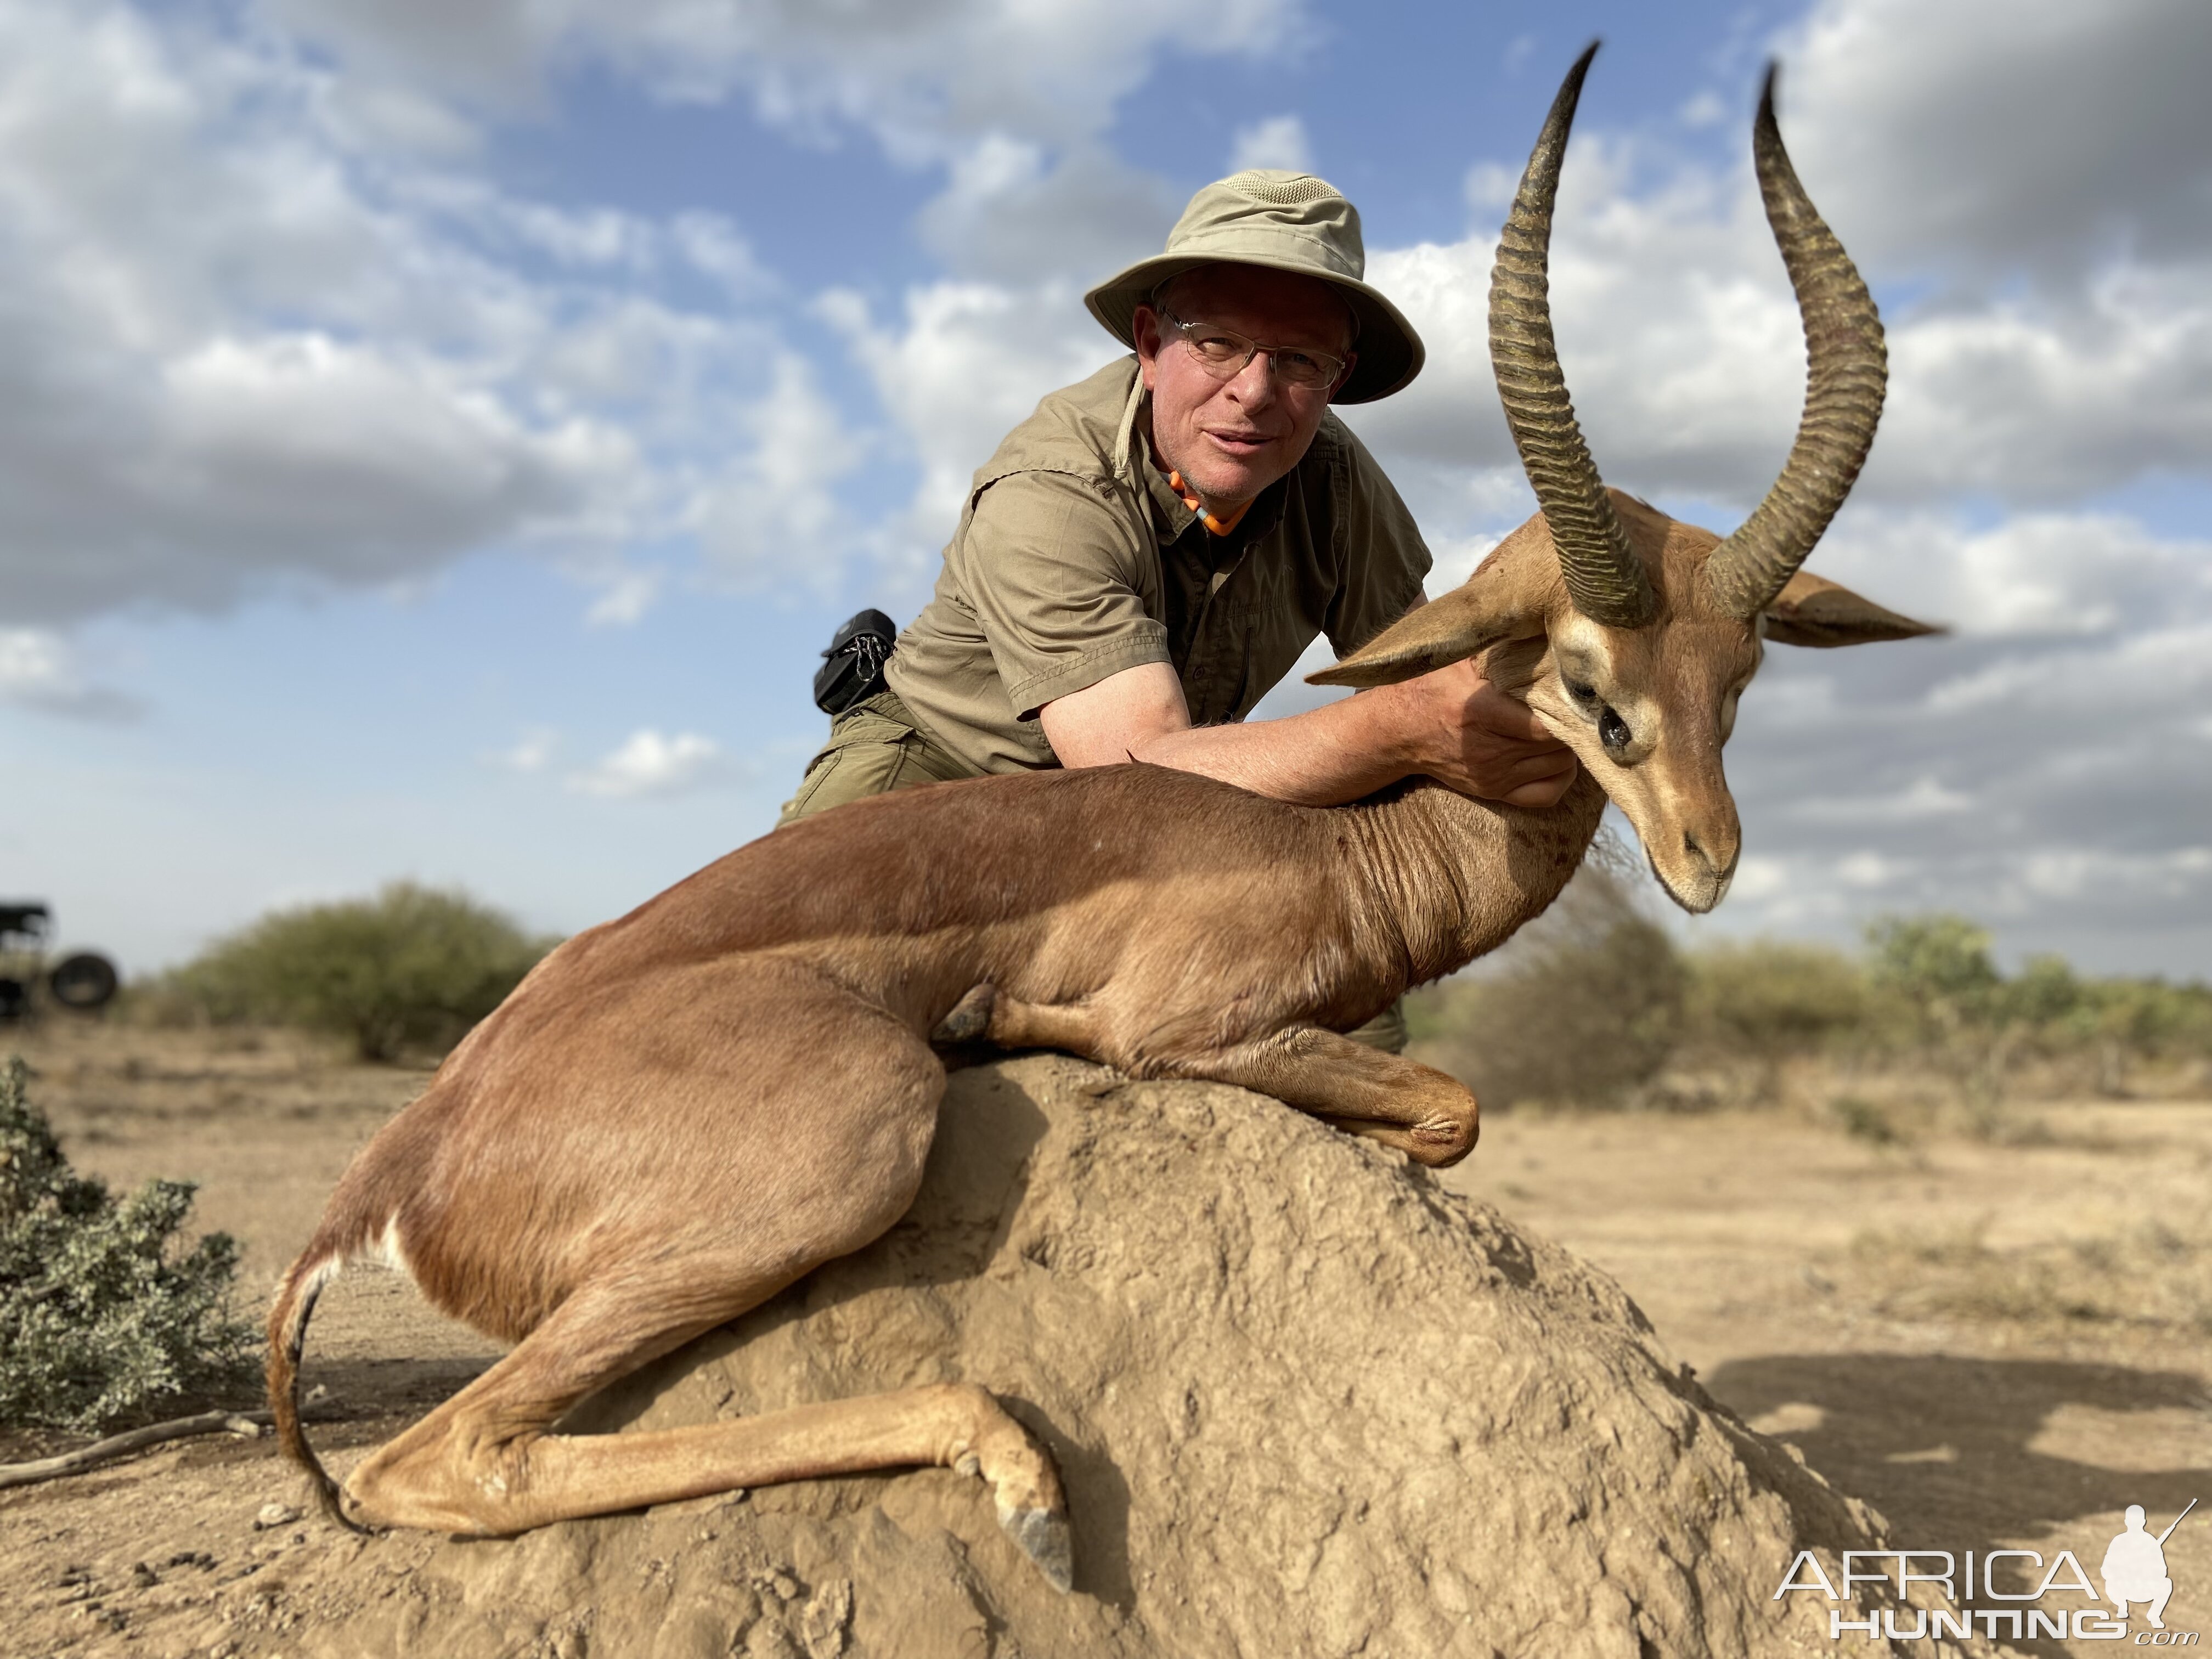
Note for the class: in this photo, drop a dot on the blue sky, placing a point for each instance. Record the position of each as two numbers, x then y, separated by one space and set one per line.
437 443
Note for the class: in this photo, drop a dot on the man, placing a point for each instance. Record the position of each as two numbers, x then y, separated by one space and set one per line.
1150 552
2133 1568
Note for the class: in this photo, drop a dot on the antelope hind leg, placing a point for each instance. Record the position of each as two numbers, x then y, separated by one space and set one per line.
1432 1118
1073 1027
969 1019
483 1464
788 1142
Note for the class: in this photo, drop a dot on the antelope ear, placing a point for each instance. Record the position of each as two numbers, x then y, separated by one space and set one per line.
1487 607
1813 610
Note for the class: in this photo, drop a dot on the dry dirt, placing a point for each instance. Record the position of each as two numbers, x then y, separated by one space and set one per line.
1836 1294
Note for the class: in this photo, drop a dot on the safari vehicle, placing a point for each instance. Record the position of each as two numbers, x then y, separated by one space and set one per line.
82 979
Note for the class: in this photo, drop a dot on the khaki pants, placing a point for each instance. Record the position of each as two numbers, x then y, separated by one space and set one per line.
876 746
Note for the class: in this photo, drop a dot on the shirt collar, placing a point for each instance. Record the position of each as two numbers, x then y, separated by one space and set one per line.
1133 459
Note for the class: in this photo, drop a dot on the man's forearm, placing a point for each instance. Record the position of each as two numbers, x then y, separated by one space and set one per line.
1451 725
1324 757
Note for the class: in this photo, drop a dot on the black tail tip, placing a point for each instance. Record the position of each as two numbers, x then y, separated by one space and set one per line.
330 1501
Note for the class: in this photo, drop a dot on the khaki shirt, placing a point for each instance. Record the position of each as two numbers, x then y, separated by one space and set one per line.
1074 561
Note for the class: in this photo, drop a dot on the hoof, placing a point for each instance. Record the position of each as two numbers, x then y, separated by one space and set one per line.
969 1019
1044 1537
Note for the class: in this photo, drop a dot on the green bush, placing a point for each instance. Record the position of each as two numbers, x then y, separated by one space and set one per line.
1944 998
1586 1017
1770 1000
2146 1017
411 969
1939 966
102 1312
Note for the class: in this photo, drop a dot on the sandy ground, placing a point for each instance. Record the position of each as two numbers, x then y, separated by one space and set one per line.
1885 1307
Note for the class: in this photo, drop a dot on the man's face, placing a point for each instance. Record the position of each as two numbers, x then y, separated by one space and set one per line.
1231 439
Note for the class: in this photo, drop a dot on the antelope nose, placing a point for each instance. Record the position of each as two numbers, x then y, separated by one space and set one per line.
1705 855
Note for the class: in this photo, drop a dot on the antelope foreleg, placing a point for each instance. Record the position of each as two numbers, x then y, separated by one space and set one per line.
1432 1118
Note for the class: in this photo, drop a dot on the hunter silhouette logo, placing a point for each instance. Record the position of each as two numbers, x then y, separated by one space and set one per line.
2134 1566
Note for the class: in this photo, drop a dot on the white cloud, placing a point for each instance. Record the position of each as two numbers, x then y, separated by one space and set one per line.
2141 673
1867 869
1456 557
1681 346
772 517
1010 213
301 432
921 79
1924 797
2031 573
627 596
714 247
243 348
252 334
2040 131
1703 109
228 357
2054 396
1011 98
39 670
965 363
1489 187
648 763
1278 142
531 751
1684 354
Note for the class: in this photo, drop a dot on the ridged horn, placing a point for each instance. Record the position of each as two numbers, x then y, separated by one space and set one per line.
1605 578
1849 371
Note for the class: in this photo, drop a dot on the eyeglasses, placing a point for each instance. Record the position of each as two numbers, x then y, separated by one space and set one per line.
1223 353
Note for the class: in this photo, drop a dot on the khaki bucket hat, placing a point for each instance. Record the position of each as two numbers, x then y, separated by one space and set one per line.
1288 222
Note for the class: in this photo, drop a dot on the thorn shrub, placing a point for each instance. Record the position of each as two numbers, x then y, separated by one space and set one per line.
412 969
1585 1011
103 1312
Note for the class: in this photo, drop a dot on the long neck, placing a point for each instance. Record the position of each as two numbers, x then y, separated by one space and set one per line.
1459 877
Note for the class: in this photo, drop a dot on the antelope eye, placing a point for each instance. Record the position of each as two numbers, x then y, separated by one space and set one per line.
1580 692
1612 731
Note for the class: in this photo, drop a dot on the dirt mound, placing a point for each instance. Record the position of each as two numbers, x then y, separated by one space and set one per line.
1307 1402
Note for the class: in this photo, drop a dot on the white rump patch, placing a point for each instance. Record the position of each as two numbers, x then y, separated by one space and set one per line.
319 1275
382 1248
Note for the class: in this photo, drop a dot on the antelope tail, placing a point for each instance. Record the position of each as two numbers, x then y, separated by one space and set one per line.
287 1337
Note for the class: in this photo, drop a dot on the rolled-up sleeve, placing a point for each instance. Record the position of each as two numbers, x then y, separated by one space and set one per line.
1053 574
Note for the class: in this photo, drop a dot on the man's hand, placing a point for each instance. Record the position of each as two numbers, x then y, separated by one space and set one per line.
1458 728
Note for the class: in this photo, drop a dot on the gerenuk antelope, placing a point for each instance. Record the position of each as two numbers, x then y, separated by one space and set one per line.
682 1112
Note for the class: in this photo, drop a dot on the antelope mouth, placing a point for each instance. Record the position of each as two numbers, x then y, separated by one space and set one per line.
1698 891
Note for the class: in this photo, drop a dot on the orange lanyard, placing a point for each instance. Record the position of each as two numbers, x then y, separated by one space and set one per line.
1215 526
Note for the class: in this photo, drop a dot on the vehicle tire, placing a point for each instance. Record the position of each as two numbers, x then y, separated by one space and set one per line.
14 998
83 981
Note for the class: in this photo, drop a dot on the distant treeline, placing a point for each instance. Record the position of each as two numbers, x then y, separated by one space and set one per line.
1601 1008
1595 1006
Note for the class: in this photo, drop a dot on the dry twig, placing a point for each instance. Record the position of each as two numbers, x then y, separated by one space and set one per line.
248 1423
